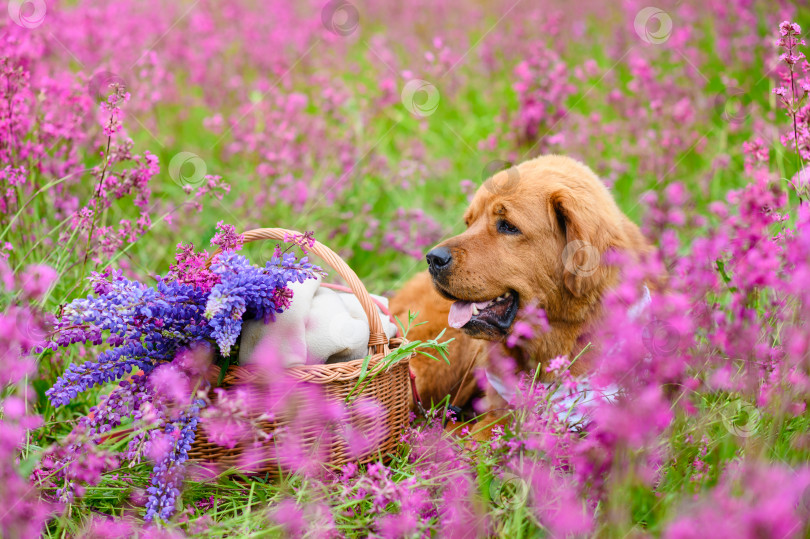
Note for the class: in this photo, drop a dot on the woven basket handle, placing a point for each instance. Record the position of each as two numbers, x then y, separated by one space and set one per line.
377 340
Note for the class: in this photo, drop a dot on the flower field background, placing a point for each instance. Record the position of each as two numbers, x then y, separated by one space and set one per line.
129 127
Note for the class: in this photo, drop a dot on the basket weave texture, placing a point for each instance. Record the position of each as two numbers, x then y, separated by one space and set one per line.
388 390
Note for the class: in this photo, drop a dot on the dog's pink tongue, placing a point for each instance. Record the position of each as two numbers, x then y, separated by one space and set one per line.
460 313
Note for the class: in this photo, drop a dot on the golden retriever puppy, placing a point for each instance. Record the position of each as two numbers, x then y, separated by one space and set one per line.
536 235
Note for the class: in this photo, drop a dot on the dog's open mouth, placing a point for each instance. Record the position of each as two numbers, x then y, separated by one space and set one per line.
493 317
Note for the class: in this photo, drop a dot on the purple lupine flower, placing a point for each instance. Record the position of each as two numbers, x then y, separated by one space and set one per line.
245 289
147 326
160 330
167 475
121 403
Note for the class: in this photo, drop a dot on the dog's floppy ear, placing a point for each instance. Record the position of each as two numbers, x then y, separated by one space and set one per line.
589 232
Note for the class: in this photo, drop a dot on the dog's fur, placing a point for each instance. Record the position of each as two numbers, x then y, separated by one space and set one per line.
553 201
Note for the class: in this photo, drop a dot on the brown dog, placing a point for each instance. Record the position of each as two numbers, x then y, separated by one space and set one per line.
536 234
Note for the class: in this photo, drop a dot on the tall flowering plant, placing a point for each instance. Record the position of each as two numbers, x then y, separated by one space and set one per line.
158 339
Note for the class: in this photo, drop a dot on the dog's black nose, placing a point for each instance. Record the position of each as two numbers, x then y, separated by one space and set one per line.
439 259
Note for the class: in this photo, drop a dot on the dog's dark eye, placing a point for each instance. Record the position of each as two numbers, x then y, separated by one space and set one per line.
505 227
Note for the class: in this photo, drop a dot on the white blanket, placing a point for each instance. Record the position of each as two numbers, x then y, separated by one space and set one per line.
320 326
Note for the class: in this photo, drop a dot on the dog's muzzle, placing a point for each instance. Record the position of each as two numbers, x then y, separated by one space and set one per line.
439 260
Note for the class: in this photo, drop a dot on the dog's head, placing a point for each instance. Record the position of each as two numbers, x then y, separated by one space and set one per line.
536 233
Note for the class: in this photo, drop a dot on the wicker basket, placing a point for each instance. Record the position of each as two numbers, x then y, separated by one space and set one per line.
389 389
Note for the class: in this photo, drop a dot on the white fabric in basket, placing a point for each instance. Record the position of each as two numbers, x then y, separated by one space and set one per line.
320 326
